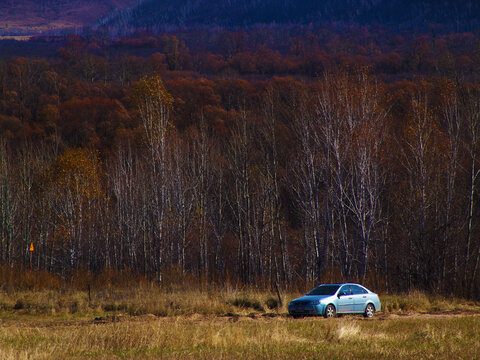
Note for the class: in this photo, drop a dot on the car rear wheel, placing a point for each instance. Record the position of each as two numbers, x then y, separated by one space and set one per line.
330 311
369 311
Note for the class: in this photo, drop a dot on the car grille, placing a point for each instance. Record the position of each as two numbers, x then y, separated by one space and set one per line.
302 303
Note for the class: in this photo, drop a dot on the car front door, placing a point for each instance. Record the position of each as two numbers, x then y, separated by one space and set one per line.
345 300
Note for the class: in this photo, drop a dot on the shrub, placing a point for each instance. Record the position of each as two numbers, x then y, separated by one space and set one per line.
74 307
114 307
246 304
19 305
272 303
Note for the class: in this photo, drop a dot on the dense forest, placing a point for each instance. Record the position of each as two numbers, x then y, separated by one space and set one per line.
274 156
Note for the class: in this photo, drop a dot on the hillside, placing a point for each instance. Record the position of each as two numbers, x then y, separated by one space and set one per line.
30 17
401 14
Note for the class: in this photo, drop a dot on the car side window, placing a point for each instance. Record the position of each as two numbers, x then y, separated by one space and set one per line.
345 290
356 290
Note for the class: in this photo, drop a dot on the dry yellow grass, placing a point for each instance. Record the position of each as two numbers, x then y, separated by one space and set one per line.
150 322
211 337
152 299
140 301
417 301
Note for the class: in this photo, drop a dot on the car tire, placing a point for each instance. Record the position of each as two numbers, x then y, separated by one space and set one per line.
330 311
369 311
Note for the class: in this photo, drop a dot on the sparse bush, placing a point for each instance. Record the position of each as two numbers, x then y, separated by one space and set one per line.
248 304
19 305
272 303
73 307
114 307
137 311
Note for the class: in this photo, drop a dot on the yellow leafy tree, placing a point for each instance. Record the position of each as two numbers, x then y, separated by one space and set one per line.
78 171
76 184
154 103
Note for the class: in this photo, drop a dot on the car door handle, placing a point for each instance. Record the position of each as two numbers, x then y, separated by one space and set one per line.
364 296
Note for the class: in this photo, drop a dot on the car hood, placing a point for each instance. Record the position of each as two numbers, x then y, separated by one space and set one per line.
311 298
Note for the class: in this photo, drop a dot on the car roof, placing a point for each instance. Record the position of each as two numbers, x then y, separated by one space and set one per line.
340 284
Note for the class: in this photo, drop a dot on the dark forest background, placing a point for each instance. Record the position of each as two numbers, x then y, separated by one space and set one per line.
277 155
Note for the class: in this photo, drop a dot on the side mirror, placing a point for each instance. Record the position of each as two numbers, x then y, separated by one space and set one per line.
340 295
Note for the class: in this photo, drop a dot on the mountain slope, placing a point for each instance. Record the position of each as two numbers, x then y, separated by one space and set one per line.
454 14
34 16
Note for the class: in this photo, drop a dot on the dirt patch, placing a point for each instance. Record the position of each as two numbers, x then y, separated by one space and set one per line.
44 322
416 315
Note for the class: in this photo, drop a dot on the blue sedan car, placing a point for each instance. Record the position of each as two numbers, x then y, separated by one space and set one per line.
331 299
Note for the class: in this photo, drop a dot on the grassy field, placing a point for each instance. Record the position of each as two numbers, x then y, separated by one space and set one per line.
152 323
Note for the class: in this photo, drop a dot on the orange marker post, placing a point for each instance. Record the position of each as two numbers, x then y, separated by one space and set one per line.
31 249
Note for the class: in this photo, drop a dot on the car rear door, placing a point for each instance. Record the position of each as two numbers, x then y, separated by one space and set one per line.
345 300
360 298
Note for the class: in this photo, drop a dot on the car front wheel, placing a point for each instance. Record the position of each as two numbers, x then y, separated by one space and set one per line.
369 311
329 311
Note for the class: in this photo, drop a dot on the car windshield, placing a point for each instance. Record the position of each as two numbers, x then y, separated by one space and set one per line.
324 290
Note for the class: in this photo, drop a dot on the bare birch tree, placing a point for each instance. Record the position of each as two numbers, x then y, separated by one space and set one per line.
154 106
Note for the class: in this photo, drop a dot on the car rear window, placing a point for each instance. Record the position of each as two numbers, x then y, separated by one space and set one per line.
357 290
324 290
